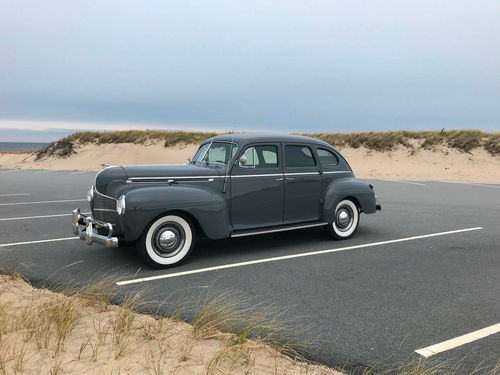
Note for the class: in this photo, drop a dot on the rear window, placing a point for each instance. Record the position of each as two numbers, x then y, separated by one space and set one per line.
299 156
327 157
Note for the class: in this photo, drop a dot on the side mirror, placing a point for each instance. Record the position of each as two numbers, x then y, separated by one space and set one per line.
189 159
243 160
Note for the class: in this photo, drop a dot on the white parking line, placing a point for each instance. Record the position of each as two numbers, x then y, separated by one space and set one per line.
13 195
301 255
403 182
37 217
42 202
12 170
458 341
469 183
80 172
45 172
38 241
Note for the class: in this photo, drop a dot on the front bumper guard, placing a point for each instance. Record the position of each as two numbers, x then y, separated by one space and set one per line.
89 231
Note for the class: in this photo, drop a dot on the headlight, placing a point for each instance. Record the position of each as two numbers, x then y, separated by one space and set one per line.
120 205
90 194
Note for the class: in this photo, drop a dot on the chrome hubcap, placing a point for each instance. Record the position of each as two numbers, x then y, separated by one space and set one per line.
168 240
344 218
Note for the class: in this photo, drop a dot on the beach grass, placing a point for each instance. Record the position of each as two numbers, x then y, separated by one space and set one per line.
462 140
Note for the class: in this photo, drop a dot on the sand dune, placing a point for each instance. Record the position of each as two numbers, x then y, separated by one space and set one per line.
440 164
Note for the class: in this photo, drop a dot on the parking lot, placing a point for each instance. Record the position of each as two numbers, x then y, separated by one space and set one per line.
421 278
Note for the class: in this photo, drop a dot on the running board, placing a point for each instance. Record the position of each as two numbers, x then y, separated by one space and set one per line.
284 228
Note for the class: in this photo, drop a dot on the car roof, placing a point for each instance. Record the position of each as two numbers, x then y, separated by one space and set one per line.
245 138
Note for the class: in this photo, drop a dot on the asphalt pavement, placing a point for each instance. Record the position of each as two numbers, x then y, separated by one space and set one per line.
424 270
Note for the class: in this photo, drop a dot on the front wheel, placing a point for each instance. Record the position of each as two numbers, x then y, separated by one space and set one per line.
167 241
345 221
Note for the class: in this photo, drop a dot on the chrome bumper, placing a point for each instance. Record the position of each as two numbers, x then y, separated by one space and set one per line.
89 233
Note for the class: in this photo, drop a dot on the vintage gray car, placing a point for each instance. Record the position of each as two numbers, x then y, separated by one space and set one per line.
235 185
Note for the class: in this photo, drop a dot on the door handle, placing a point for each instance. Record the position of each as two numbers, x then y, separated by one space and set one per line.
290 178
279 179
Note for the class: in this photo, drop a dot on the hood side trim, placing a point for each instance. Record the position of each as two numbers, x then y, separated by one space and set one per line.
170 178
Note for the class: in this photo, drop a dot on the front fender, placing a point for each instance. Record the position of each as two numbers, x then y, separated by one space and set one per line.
361 191
143 205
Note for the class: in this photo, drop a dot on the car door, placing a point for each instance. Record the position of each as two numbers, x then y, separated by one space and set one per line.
302 184
257 188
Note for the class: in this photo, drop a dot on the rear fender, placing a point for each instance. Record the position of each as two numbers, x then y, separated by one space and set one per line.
143 205
363 195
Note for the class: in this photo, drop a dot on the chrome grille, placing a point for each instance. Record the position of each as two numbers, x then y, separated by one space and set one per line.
104 208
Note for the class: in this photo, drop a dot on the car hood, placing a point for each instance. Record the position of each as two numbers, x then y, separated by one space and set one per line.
112 180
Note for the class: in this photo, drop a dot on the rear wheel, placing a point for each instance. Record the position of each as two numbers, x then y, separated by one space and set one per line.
167 241
345 221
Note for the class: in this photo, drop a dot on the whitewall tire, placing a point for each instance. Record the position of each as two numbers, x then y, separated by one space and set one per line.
167 241
345 221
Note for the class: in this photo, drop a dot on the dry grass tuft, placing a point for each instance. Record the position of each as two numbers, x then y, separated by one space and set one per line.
234 318
121 324
12 273
155 363
236 356
152 329
495 370
4 318
417 367
49 321
101 330
492 144
98 294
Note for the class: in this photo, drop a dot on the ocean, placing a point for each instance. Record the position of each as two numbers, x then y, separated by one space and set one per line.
21 146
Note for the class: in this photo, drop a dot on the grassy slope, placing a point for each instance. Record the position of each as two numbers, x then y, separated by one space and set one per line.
463 140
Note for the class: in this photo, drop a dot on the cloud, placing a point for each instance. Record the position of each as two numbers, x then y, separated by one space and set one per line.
249 65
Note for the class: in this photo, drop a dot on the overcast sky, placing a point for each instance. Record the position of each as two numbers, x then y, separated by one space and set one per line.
253 65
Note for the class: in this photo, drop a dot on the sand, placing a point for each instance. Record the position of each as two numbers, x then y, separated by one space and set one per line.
107 339
440 164
89 157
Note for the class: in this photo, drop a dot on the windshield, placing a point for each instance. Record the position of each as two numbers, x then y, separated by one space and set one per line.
215 152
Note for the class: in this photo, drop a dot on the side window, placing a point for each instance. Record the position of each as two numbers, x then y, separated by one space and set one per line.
270 157
261 157
216 153
299 156
220 152
327 157
201 151
252 158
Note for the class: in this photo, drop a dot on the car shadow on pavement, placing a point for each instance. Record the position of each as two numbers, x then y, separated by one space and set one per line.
209 252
